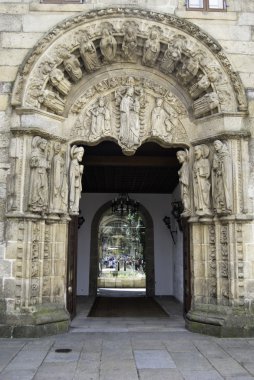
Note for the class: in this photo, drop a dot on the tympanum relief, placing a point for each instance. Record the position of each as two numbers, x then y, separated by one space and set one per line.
84 50
132 110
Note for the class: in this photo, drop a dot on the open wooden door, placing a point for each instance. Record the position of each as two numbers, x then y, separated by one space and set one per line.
187 266
72 266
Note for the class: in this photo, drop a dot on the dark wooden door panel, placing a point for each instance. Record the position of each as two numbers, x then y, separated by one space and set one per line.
72 266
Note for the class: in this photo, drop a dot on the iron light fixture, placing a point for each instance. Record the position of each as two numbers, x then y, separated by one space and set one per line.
124 205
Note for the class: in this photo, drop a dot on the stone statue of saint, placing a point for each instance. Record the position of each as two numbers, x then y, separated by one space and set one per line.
52 101
161 124
100 119
130 43
72 66
75 178
222 179
59 81
201 180
172 57
184 179
108 45
151 49
39 190
129 118
88 54
58 182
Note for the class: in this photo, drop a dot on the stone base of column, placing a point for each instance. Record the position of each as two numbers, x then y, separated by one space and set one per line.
221 321
42 321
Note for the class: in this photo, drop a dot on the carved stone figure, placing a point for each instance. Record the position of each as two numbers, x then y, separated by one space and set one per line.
151 49
184 179
108 45
59 81
72 67
39 165
188 70
58 182
199 87
161 124
52 101
75 178
129 119
171 58
222 179
88 54
205 104
101 119
201 180
130 43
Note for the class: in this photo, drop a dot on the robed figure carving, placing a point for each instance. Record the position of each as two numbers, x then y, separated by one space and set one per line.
58 182
222 179
101 118
161 124
129 119
201 180
151 49
108 45
184 180
88 54
39 164
75 178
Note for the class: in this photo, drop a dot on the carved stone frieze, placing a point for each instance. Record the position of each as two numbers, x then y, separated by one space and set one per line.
98 38
132 110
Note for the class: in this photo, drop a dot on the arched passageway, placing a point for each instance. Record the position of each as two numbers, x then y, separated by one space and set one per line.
70 90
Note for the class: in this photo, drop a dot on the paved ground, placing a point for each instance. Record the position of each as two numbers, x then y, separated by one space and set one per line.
127 349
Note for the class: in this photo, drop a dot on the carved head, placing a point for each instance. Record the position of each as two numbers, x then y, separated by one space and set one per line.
105 32
101 102
42 144
159 102
201 151
130 91
57 147
217 145
181 156
77 152
153 35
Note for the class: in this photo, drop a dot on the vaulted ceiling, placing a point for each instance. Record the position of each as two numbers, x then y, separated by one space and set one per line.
152 169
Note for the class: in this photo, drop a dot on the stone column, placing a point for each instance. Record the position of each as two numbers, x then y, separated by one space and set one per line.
222 249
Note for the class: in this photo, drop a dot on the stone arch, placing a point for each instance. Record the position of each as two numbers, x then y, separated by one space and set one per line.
149 246
55 92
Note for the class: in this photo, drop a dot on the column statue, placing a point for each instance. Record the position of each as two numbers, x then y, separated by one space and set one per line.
222 179
58 182
75 179
39 165
184 180
201 180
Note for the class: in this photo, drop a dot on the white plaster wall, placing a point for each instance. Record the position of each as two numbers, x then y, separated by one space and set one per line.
158 205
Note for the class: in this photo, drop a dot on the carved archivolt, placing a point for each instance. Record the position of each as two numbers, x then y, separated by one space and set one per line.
81 46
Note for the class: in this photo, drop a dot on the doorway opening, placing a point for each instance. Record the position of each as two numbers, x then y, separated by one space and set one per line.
121 248
150 177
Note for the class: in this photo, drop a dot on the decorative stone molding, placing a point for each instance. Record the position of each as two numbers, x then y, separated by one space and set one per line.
118 35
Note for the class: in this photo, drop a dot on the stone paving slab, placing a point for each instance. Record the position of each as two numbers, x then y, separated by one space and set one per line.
127 349
153 359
